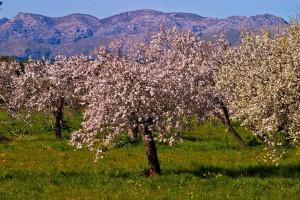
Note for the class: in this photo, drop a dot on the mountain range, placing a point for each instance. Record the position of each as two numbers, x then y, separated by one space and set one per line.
37 36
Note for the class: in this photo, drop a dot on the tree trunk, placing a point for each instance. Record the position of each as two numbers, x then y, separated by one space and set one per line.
154 167
58 113
133 133
226 121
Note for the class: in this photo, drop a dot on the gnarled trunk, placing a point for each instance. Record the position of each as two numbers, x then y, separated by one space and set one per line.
153 163
58 113
226 121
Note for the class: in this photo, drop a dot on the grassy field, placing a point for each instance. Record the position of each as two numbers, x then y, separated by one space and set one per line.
207 165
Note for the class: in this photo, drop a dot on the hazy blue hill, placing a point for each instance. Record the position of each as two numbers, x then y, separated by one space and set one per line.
36 35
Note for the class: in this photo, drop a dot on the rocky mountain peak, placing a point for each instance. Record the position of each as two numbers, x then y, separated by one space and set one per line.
36 35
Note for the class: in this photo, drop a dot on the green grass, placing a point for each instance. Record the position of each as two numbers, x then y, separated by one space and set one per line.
207 165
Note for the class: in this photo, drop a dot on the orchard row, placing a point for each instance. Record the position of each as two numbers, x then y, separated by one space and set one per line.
156 88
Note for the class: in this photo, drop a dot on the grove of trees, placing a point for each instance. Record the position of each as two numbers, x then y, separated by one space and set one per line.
157 88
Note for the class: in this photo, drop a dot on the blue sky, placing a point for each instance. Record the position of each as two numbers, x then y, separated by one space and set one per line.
105 8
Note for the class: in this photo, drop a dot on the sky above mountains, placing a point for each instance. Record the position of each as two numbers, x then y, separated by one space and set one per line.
106 8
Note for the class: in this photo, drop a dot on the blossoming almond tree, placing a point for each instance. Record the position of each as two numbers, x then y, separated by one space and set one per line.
122 91
47 86
156 88
263 75
135 90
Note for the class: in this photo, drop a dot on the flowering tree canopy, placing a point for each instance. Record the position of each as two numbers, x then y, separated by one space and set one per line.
47 86
9 69
155 86
262 76
194 62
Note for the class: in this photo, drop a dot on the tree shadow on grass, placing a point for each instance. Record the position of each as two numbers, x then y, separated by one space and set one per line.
4 139
191 138
261 171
